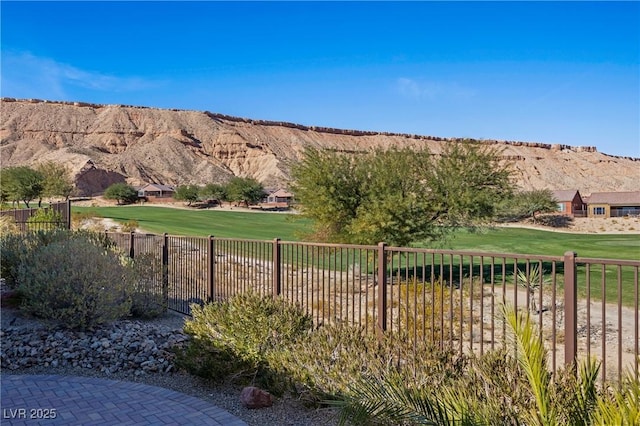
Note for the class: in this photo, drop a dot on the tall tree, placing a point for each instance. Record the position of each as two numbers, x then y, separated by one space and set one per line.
57 180
21 184
399 195
247 190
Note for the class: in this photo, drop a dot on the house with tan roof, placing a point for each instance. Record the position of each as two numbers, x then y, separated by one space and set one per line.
613 204
156 192
570 202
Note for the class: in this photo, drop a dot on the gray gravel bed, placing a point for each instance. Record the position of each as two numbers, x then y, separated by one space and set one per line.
108 353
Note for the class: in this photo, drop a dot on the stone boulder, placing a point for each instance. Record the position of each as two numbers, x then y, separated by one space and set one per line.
253 397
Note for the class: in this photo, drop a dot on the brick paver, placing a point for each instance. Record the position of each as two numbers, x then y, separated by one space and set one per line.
34 400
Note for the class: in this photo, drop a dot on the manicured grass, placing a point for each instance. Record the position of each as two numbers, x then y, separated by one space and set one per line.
530 241
264 225
219 223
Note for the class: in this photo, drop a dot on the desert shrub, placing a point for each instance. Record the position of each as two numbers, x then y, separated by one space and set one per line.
15 248
12 252
130 226
45 219
8 225
326 362
148 298
237 337
74 283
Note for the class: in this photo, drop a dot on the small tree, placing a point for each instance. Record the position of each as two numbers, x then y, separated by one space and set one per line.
188 193
214 191
247 190
57 180
527 204
121 192
21 184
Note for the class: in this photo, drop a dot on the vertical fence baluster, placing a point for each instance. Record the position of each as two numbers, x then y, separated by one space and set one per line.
570 309
382 287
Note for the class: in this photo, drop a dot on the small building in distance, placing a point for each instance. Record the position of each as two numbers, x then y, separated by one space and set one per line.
613 204
570 202
156 192
278 199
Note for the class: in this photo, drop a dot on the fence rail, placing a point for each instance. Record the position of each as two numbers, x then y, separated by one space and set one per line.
584 307
21 217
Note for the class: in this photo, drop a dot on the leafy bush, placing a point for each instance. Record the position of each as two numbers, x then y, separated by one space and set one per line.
238 337
328 360
148 298
45 219
8 225
74 282
15 248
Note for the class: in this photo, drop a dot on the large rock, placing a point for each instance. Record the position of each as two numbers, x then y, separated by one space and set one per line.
253 397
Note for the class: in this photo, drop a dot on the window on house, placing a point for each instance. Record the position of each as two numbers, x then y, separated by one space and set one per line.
561 207
598 211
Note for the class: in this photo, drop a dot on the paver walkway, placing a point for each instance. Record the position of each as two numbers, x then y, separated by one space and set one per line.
27 400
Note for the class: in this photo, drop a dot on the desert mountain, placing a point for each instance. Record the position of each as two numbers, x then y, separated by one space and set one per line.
103 144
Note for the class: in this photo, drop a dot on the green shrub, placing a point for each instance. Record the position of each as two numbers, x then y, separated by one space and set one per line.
8 225
12 252
237 337
148 297
74 283
15 248
326 362
45 219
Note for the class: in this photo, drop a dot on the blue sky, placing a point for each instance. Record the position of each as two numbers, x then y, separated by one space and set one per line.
553 72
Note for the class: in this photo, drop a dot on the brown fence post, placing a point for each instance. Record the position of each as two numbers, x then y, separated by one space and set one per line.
132 250
570 309
382 287
211 261
165 269
276 268
68 214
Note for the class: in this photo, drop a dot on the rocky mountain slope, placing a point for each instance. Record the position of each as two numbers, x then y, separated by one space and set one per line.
103 144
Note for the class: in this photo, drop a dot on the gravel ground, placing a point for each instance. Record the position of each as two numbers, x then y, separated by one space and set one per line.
286 410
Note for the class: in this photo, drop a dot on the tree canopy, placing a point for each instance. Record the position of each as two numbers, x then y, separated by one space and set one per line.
188 193
121 192
247 190
57 180
21 184
526 204
399 196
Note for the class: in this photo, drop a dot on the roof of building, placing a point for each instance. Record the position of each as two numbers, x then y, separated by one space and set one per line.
615 198
565 194
281 193
156 187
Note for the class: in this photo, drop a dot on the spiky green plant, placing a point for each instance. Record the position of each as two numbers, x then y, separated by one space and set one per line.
533 280
390 401
622 406
531 356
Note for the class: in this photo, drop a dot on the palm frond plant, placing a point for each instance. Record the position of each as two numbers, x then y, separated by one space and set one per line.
622 405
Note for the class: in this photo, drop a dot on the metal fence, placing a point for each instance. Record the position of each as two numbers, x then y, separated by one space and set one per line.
21 217
583 307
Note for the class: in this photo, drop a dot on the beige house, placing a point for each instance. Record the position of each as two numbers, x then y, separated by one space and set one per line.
613 204
156 192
